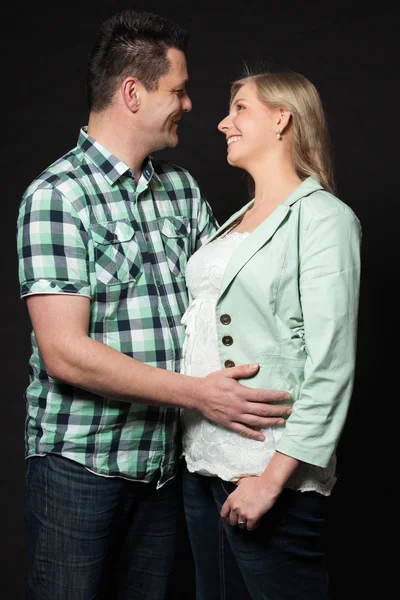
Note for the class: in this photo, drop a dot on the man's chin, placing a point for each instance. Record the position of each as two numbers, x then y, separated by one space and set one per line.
173 141
169 142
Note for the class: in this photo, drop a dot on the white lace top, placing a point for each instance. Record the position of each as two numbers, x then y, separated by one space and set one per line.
209 449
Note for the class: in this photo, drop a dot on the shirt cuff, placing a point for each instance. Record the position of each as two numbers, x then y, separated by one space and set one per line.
55 286
318 457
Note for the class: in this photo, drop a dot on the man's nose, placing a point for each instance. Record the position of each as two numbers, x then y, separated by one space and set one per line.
186 104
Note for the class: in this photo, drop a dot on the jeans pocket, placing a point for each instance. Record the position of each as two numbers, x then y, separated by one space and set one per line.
36 477
228 486
27 465
302 524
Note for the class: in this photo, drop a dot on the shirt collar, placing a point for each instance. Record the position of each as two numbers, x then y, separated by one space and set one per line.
110 166
307 187
148 170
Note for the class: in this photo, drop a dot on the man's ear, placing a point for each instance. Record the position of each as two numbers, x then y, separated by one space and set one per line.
130 91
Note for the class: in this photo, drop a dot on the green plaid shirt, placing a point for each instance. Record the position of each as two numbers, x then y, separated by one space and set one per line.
85 228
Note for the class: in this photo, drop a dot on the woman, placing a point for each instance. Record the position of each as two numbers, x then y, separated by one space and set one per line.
277 285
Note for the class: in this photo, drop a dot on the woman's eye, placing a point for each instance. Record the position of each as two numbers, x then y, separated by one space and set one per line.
239 107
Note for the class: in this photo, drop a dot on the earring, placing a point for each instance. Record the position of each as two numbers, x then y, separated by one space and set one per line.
278 134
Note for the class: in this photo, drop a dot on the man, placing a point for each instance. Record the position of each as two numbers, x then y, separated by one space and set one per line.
103 237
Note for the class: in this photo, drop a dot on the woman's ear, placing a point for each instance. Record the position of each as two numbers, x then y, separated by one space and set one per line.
282 119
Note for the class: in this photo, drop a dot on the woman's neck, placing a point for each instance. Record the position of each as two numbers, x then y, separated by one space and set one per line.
272 187
273 184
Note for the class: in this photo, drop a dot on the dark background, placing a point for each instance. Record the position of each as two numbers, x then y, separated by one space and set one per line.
348 52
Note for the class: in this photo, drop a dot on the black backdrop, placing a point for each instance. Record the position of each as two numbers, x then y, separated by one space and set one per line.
348 52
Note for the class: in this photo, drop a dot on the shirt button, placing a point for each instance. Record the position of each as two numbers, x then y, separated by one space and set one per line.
158 282
146 237
225 319
53 284
229 363
227 340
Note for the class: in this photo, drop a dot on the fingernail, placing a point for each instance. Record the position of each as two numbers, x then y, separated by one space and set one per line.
287 396
253 366
289 411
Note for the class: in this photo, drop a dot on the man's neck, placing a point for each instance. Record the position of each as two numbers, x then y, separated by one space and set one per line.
113 135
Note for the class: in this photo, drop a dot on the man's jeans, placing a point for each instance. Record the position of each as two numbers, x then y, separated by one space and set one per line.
93 537
280 560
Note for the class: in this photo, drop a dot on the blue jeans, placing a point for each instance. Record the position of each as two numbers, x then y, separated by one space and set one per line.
92 537
282 559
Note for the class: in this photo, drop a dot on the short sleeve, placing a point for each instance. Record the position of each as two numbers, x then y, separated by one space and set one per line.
52 246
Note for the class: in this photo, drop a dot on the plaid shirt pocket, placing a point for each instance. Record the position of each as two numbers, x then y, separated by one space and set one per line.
175 233
117 254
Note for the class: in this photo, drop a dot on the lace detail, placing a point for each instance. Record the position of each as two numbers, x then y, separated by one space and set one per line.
209 449
204 273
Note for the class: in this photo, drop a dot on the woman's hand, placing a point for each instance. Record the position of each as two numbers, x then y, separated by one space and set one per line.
249 502
256 495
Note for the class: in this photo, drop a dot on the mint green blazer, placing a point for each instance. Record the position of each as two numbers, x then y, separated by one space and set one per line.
289 301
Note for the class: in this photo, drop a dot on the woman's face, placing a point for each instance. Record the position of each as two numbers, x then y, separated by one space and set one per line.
250 129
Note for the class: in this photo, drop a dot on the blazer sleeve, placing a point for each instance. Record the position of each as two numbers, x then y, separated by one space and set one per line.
329 280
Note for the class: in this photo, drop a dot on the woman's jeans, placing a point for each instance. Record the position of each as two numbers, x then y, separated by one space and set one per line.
93 537
280 560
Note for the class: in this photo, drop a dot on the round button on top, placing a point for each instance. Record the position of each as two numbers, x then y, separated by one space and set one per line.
225 319
229 363
227 340
53 284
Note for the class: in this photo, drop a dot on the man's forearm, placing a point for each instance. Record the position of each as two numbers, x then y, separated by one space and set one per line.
97 368
61 325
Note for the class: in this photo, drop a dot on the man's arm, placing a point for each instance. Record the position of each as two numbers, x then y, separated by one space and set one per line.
61 325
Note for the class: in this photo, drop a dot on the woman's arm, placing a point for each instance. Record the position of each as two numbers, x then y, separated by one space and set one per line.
329 280
329 287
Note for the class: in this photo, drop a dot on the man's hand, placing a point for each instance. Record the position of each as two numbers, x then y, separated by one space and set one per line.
226 402
61 324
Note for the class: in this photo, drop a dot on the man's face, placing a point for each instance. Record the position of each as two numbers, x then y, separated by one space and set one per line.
163 108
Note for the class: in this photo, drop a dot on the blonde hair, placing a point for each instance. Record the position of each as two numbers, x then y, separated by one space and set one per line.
311 146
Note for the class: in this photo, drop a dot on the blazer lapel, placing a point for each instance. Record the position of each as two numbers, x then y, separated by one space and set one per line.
252 244
229 222
263 233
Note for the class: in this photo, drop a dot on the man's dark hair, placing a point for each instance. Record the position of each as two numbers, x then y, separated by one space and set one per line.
130 43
